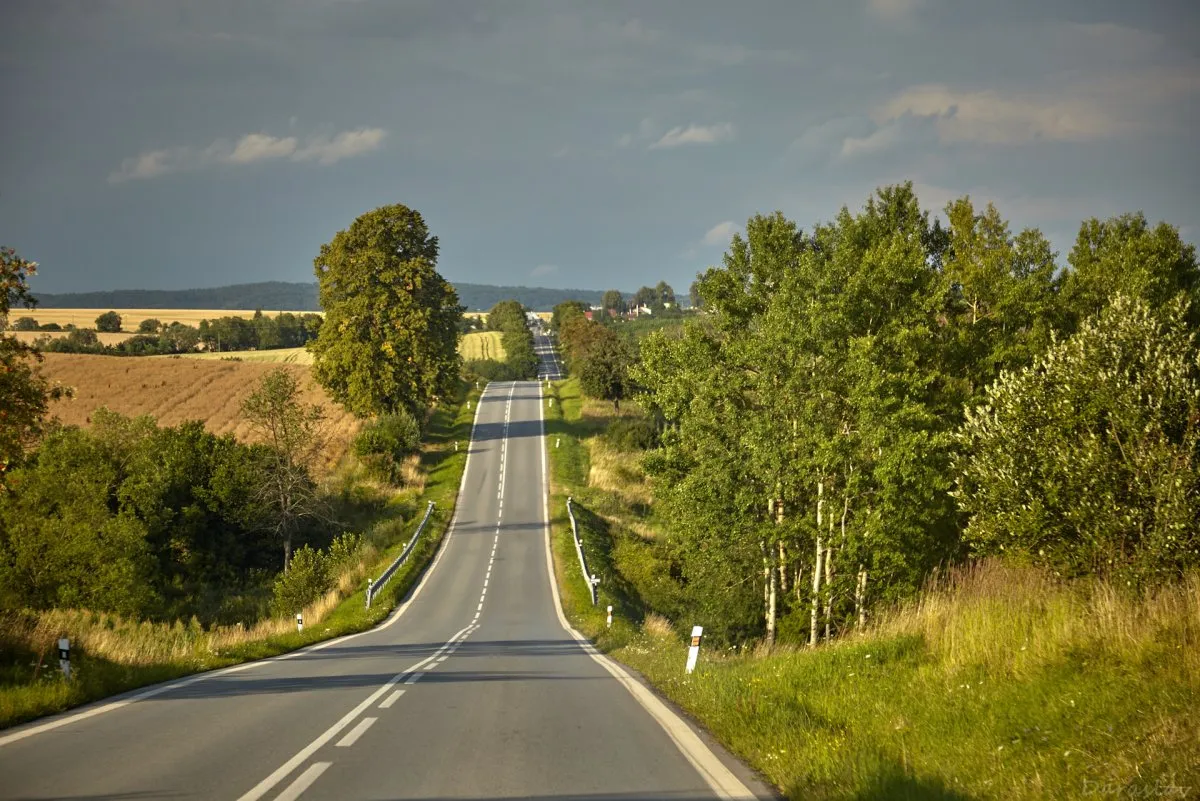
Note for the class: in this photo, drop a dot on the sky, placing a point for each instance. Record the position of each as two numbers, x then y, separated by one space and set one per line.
167 144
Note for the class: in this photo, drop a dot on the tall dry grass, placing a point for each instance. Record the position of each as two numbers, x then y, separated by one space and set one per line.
139 643
1017 620
617 472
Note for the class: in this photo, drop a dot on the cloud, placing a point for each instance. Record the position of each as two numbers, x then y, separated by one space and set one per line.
894 10
249 149
720 234
543 270
255 147
1096 107
345 145
695 135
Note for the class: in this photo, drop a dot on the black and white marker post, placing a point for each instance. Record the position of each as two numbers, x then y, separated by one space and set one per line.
64 656
300 622
610 616
694 650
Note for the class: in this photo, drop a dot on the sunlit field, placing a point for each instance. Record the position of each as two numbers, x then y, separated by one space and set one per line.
178 389
481 345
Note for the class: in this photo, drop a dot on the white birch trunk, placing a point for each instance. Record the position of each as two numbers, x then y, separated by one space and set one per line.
816 594
860 591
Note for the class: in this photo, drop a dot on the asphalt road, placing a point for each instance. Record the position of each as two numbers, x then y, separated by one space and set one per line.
474 689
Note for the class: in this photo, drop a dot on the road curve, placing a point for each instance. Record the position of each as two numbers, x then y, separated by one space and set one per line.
474 689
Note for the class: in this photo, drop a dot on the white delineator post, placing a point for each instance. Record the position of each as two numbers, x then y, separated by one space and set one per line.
694 650
64 656
610 615
299 621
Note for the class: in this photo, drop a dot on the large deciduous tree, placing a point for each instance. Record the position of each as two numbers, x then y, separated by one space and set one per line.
1124 255
613 300
389 339
23 392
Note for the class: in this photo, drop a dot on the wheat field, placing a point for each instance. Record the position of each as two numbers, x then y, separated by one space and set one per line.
131 318
273 355
481 345
174 390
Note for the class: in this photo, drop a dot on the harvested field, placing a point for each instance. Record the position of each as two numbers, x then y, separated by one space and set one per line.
106 338
275 356
131 318
174 390
481 345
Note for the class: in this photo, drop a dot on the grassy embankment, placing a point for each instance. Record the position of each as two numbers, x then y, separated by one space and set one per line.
111 655
1000 683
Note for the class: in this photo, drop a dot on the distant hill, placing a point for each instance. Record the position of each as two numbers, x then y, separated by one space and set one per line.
294 297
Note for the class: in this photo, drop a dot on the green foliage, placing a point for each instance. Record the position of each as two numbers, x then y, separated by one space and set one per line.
506 315
295 435
23 392
389 340
383 444
519 353
1089 460
632 434
604 371
109 322
613 299
489 370
567 310
308 577
149 326
285 330
1124 255
131 518
25 324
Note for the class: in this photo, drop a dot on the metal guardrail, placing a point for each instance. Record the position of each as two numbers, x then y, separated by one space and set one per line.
373 587
591 580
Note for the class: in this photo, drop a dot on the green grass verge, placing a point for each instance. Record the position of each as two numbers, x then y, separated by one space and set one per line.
1003 686
28 692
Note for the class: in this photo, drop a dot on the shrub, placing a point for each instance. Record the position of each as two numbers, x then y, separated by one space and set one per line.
25 324
489 370
50 327
307 579
149 326
383 444
632 434
109 322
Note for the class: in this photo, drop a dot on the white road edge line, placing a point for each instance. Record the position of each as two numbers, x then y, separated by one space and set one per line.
303 781
358 731
89 710
718 777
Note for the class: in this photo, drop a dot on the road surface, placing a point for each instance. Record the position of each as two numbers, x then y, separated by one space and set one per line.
475 689
548 364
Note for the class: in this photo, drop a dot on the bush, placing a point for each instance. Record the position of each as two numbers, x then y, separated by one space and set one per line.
149 326
632 434
25 324
109 322
488 370
307 579
383 445
50 327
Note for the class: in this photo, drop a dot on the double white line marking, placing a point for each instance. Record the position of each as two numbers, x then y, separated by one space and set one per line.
500 508
410 676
